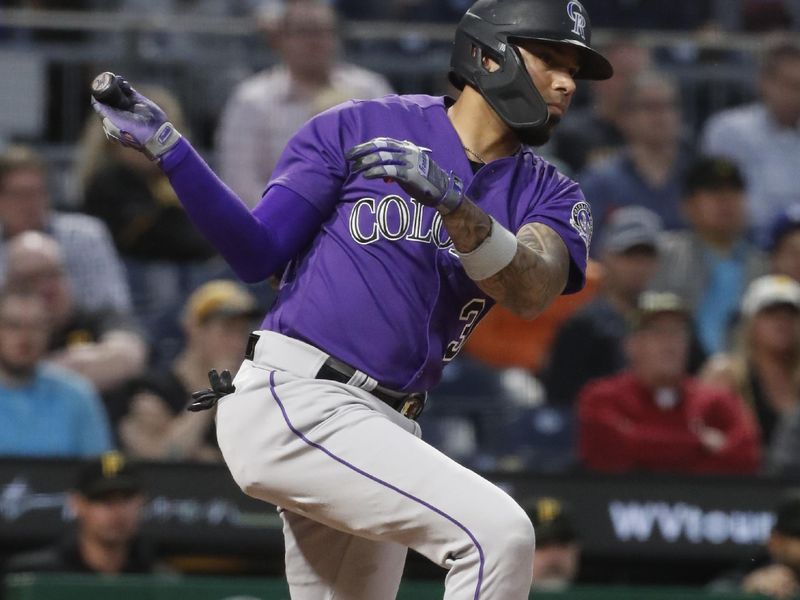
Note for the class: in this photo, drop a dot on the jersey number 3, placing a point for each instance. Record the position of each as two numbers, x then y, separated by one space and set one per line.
470 313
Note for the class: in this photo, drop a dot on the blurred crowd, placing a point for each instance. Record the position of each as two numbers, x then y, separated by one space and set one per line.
682 355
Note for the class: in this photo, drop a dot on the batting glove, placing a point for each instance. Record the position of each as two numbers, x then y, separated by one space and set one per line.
140 124
412 168
221 385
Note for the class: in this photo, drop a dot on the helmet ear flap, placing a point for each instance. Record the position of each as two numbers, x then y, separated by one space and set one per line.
511 93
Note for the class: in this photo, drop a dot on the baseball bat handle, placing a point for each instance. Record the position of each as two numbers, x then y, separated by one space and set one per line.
108 89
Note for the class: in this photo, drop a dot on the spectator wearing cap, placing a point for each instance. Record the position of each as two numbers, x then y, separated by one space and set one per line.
711 263
776 574
590 343
764 365
783 243
217 319
763 138
654 416
45 410
556 560
107 502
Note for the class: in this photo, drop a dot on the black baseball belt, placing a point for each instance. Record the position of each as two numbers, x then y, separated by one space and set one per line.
409 405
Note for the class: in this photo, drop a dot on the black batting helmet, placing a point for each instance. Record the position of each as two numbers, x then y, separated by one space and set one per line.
490 28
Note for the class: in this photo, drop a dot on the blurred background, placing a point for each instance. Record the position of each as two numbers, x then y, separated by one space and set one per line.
650 424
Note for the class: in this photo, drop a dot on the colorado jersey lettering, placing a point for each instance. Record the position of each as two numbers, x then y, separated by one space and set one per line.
378 288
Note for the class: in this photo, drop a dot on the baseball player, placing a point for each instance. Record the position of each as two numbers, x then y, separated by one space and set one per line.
396 223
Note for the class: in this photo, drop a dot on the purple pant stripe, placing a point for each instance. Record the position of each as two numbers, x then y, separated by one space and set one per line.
380 482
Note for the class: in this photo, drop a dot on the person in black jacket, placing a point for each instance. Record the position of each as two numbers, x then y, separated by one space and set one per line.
107 501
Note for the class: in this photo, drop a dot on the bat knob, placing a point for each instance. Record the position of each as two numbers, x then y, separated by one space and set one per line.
108 89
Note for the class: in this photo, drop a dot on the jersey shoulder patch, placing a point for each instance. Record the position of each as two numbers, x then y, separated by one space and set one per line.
582 222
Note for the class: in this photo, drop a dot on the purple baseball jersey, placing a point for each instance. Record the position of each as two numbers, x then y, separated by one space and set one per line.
381 286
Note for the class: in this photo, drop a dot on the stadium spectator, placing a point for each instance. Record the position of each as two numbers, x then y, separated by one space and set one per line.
710 264
45 410
594 133
107 502
764 367
783 243
763 138
217 319
94 269
590 344
649 169
268 108
103 346
165 257
655 417
776 574
557 557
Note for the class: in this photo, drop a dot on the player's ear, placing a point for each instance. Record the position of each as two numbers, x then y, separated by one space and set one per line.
490 64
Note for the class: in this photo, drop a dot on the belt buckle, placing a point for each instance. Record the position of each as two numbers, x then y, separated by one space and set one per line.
412 406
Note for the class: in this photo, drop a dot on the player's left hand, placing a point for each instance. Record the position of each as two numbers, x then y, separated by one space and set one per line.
142 125
413 170
221 385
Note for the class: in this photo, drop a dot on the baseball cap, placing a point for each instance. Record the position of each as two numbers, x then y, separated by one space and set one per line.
653 304
770 290
108 474
787 514
628 227
552 522
220 298
783 224
712 173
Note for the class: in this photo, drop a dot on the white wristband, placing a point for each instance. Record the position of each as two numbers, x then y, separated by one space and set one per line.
162 141
493 255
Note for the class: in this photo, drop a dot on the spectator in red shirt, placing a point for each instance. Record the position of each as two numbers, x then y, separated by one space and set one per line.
654 416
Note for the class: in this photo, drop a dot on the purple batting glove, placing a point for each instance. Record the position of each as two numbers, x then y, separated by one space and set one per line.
143 126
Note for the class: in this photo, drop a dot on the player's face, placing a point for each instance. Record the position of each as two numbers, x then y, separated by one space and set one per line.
718 214
785 549
653 117
112 521
659 352
308 41
555 566
629 273
786 257
44 275
23 335
552 68
776 329
222 341
24 201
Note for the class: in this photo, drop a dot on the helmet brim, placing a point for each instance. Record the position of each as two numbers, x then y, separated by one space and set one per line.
593 65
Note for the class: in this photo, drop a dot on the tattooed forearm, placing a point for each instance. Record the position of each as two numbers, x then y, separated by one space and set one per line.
468 226
536 276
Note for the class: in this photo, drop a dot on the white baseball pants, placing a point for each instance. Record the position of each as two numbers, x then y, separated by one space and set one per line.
355 487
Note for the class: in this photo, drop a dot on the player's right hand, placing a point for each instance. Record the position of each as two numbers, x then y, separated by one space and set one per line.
141 125
412 168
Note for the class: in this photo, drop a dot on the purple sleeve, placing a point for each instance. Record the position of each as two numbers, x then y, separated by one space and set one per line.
313 164
563 208
256 244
